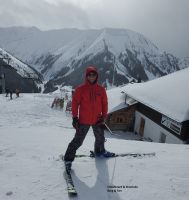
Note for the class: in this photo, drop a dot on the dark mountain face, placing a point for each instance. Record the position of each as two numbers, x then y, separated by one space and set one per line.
106 69
15 81
107 65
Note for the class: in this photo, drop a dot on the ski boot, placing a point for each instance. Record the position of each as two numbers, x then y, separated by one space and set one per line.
105 154
68 165
108 154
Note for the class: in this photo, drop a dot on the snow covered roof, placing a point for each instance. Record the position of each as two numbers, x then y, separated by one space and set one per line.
169 94
116 99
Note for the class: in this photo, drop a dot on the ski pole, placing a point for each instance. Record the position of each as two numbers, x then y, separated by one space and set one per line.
111 133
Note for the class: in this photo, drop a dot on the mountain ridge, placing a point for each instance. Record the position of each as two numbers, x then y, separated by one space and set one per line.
125 54
17 74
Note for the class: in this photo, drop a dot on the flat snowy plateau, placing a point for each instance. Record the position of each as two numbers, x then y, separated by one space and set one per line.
33 135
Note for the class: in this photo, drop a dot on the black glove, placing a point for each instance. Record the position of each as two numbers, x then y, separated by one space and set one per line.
75 122
101 123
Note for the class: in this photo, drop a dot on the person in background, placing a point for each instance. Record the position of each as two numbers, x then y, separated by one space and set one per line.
7 92
17 91
10 91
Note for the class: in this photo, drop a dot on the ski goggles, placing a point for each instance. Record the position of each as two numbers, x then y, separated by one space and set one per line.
92 74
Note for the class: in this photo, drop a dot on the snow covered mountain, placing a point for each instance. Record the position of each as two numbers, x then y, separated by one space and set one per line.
62 55
18 74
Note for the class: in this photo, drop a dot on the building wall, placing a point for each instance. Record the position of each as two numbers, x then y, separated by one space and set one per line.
153 130
185 130
156 117
122 119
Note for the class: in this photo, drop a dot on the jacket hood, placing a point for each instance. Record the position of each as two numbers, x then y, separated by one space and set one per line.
89 70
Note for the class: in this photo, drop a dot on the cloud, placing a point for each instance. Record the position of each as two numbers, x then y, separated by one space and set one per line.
165 22
42 13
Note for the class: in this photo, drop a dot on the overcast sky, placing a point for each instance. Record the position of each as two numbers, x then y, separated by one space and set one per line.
165 22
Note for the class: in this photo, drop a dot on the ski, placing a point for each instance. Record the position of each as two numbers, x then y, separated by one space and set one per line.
68 178
70 185
135 155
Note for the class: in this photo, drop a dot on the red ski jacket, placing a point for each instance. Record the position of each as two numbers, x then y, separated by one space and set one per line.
89 101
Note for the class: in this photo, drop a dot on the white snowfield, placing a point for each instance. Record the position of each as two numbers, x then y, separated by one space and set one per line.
32 136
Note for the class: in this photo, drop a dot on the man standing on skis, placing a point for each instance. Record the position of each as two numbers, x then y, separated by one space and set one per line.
89 108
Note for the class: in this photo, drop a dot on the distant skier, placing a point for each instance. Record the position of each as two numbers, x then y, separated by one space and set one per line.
17 91
54 102
10 91
7 92
90 101
61 103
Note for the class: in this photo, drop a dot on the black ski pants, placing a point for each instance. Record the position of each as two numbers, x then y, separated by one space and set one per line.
79 137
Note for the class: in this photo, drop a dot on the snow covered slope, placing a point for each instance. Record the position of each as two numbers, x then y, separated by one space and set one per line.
33 136
21 68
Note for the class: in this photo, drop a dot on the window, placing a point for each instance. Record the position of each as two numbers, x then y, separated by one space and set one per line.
119 120
162 138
